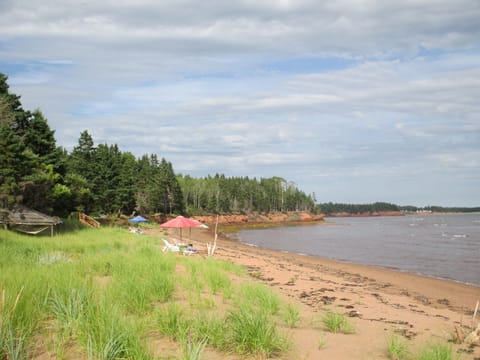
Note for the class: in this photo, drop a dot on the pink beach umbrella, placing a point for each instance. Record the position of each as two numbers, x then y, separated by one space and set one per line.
180 222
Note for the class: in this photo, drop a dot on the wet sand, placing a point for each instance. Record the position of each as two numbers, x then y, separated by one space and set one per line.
379 302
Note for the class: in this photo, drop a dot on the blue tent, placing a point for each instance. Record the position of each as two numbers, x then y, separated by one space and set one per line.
138 219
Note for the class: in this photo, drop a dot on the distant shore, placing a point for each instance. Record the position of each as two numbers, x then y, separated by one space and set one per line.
367 214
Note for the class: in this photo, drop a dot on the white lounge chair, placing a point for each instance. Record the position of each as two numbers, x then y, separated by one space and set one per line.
170 247
184 249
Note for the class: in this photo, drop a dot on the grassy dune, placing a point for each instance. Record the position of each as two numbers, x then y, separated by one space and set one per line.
109 294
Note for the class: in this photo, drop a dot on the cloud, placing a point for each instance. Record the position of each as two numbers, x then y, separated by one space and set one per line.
327 94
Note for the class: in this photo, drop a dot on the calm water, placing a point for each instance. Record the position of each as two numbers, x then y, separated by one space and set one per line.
443 246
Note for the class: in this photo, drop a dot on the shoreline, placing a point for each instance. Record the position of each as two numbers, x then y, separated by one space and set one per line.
446 271
418 283
377 267
380 302
413 282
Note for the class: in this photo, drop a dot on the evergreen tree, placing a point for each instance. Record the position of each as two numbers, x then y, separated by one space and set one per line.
16 163
127 183
80 172
82 156
41 139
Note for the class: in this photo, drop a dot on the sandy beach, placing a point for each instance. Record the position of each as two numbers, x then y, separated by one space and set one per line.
380 302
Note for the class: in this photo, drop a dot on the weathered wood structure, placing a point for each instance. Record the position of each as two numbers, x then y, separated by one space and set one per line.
23 219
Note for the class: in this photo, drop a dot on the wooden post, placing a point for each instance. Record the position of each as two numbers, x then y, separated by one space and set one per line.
211 247
475 314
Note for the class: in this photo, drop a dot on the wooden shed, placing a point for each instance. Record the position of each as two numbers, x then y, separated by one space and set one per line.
23 219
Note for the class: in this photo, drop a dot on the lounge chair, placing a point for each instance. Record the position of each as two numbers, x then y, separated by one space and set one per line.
188 248
170 247
184 249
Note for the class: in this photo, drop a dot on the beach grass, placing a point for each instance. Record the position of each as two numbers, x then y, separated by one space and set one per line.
291 315
103 292
265 298
337 323
397 348
253 331
192 350
436 351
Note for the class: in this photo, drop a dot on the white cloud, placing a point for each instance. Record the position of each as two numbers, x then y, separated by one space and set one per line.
365 90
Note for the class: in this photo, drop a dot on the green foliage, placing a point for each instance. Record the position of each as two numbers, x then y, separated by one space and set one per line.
330 208
193 350
172 322
142 281
337 323
15 165
436 352
266 300
253 332
292 316
28 155
216 280
397 349
14 335
219 194
108 336
102 291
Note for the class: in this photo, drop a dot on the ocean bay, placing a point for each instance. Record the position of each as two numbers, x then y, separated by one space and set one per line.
443 246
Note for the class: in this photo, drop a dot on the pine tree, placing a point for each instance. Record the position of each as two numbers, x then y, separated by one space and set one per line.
80 172
16 163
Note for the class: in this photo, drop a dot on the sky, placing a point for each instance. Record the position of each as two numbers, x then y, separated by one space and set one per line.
354 101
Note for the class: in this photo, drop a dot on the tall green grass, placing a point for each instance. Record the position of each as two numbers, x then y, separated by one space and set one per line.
53 278
173 323
254 332
102 291
243 330
145 279
13 336
264 298
108 335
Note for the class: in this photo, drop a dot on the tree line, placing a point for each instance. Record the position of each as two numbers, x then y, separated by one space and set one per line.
101 179
331 208
220 194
